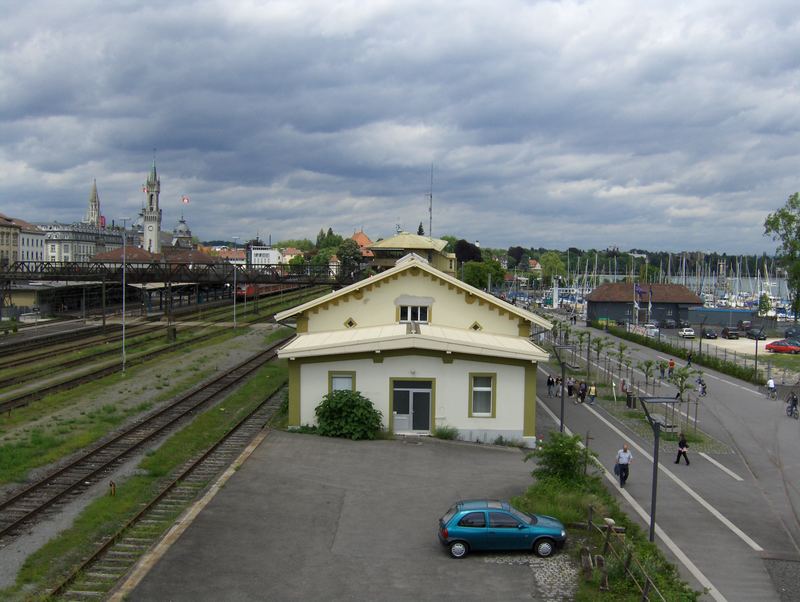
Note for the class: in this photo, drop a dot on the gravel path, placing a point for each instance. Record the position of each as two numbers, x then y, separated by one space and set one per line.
136 389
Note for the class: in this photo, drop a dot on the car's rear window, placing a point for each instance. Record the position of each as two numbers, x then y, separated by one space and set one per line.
448 515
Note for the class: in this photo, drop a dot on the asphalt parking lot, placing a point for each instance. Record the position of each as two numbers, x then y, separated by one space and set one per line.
308 518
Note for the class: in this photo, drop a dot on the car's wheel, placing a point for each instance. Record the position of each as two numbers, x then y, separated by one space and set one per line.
544 547
458 549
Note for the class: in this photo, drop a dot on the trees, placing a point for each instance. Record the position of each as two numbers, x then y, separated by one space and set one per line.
551 266
598 344
784 226
350 257
421 230
477 273
466 251
451 243
764 304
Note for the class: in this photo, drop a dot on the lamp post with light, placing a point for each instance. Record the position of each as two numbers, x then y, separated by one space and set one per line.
124 221
235 238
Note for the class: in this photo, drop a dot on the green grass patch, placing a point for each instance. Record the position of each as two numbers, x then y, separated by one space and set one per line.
569 502
449 433
44 569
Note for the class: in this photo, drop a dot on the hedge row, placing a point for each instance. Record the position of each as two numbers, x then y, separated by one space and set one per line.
709 361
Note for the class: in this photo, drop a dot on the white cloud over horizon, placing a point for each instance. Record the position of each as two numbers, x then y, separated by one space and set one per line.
664 125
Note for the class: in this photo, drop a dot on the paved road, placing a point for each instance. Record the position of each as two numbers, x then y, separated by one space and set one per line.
313 518
733 532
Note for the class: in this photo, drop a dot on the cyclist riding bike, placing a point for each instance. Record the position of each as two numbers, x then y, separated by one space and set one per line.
792 403
771 388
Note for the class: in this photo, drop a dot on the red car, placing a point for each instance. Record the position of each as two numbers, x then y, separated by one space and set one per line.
784 346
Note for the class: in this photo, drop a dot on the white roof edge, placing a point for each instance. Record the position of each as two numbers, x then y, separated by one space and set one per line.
423 265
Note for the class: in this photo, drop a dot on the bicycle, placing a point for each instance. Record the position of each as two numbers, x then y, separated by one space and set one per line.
771 393
791 411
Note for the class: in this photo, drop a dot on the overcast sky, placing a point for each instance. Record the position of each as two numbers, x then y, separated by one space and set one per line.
658 125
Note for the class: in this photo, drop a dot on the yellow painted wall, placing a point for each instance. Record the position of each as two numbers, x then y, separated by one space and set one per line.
451 306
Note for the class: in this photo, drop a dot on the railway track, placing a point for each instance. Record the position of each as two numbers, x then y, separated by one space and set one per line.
24 506
99 573
24 398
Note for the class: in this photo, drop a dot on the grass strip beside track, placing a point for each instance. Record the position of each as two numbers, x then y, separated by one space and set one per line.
104 516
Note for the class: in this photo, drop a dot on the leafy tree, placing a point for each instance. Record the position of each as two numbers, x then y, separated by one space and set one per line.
451 243
347 414
764 304
303 244
562 457
581 336
784 226
516 253
647 367
421 230
621 348
323 257
551 266
477 273
350 257
298 264
466 251
598 344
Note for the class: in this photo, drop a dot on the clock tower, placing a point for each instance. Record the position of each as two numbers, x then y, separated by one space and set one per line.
151 214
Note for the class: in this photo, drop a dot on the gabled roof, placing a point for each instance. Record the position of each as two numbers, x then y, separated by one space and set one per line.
397 336
406 263
406 240
623 292
132 255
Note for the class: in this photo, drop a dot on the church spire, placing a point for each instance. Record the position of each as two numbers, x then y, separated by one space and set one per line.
93 212
151 214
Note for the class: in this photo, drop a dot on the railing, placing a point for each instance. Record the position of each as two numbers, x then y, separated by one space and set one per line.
614 543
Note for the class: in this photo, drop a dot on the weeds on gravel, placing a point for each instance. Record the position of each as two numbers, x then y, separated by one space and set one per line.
44 568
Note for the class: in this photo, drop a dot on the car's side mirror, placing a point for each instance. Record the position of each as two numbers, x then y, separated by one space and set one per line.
520 526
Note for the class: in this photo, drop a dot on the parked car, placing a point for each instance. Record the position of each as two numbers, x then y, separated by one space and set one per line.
755 333
651 330
792 333
744 325
668 323
730 333
496 525
686 333
709 333
684 324
783 346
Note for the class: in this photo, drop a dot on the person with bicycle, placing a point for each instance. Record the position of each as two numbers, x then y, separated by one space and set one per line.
791 401
771 392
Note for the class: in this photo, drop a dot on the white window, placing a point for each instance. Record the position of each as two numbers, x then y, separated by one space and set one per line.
342 381
413 313
482 394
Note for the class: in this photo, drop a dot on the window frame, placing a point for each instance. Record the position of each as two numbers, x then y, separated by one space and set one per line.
472 389
341 373
409 309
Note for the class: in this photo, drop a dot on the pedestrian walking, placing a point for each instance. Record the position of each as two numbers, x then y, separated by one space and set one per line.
689 360
662 368
570 387
559 387
624 459
671 367
683 447
551 382
592 393
582 389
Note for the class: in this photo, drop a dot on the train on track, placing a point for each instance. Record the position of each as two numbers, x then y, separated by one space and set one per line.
251 291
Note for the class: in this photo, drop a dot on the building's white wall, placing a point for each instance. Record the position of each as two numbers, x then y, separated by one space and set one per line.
378 307
451 382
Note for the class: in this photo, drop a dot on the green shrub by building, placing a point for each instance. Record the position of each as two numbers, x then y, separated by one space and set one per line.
347 414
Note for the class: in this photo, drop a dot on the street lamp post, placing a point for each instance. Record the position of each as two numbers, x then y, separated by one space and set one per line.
656 425
235 238
557 349
758 336
125 221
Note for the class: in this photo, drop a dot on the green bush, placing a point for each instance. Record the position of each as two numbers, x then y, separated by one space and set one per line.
562 457
729 368
445 432
347 414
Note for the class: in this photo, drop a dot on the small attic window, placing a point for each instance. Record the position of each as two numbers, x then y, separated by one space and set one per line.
413 313
476 327
350 323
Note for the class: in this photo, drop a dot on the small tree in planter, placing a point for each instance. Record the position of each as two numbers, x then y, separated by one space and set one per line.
347 414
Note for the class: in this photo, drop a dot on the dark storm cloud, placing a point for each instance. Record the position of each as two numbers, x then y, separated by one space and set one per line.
663 125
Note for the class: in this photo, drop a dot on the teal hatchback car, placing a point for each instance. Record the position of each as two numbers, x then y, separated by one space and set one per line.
497 525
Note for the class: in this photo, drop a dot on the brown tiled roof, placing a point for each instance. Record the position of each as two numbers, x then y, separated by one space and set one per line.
179 255
132 254
622 292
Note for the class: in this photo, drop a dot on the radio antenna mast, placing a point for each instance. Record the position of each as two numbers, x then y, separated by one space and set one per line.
430 207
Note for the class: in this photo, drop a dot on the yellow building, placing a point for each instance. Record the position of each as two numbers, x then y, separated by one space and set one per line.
426 348
387 252
9 240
